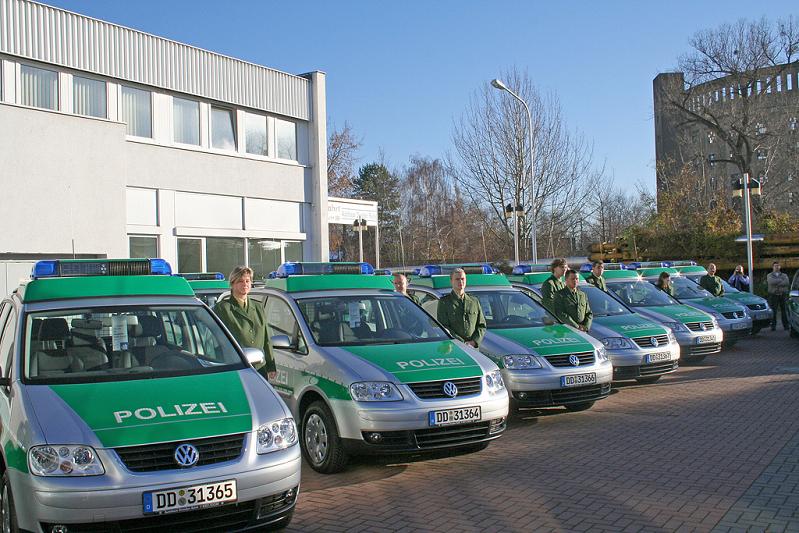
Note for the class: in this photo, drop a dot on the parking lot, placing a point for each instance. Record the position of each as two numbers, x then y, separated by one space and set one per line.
710 447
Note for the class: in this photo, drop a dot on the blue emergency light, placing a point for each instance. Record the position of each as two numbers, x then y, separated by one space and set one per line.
655 264
437 270
632 265
202 276
520 270
67 268
304 269
683 263
383 272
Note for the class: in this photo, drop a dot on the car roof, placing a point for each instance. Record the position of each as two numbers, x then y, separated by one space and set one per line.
330 282
472 280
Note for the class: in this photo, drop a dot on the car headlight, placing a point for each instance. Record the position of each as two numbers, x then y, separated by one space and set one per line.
672 338
64 460
277 435
746 311
601 354
616 343
375 391
494 382
520 362
676 326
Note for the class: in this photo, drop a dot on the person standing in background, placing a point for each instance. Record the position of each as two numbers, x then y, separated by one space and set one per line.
739 280
778 286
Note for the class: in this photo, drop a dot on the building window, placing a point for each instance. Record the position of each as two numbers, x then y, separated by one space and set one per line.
286 135
760 129
293 250
222 254
711 137
264 256
88 97
137 112
186 120
223 129
792 124
762 154
712 159
143 246
190 258
39 88
255 126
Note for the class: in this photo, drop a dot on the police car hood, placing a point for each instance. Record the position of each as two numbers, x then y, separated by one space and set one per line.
715 304
412 362
745 298
547 340
627 325
673 313
143 411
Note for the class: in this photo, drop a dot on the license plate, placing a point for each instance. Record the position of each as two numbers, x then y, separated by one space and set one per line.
656 357
578 379
454 416
192 497
742 325
705 338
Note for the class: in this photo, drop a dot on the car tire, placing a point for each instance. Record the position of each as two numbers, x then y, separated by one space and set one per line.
576 407
321 444
8 513
647 380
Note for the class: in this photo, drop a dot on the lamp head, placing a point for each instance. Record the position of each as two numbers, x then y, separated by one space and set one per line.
499 85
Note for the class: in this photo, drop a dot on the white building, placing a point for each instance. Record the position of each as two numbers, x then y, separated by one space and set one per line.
117 143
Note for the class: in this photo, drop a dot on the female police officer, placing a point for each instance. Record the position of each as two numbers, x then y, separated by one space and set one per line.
245 318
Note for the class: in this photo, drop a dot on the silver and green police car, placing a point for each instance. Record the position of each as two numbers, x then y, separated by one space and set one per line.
126 405
733 318
639 348
697 333
758 308
207 286
544 363
367 371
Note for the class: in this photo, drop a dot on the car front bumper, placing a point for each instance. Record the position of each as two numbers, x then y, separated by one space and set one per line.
635 363
543 387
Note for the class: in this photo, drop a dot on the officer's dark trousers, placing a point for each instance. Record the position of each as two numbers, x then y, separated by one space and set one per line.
778 301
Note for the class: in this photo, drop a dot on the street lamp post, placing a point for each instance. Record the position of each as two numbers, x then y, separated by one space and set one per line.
746 188
502 87
516 212
359 225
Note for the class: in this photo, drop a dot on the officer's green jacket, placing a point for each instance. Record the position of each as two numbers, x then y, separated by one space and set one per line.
463 317
248 326
712 284
668 290
571 306
597 281
415 298
548 290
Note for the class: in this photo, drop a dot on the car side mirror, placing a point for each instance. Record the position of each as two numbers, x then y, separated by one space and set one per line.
281 341
794 294
255 356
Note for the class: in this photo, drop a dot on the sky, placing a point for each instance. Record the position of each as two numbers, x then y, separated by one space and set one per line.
401 73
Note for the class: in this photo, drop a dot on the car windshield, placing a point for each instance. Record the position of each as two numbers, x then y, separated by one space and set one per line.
601 303
686 289
512 309
639 294
368 319
210 297
728 288
122 343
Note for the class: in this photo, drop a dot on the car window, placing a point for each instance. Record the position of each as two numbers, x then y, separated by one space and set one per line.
281 321
728 288
120 343
512 309
601 303
7 339
685 288
640 294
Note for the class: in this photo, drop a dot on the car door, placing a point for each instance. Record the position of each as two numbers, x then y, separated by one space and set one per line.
293 361
793 305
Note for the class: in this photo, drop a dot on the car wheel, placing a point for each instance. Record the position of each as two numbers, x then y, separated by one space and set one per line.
8 514
647 380
321 444
575 407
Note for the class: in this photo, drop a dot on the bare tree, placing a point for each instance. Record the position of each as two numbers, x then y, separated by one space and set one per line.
493 158
342 150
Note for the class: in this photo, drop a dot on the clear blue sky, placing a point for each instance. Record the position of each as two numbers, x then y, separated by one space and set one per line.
401 72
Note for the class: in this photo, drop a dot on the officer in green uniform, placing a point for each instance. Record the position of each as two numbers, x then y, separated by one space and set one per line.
664 284
711 282
554 283
245 318
595 277
461 313
571 304
400 282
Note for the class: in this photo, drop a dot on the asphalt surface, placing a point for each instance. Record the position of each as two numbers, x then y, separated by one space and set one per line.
712 447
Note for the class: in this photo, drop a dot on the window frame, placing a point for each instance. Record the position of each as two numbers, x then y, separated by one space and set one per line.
20 93
198 144
121 107
105 96
233 116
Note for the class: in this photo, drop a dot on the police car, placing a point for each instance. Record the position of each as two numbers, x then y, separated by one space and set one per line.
367 371
639 348
733 318
125 404
697 333
758 308
544 363
207 286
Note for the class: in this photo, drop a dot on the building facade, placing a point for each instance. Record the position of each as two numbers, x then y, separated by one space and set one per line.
117 143
767 119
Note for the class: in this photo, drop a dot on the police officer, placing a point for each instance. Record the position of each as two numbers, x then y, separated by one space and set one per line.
571 304
554 283
711 282
461 313
245 318
400 282
595 277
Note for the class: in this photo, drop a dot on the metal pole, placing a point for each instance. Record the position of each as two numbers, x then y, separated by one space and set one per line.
515 236
360 242
377 245
748 222
534 245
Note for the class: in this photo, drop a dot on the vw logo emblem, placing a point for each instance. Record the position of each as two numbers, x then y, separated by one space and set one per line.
702 326
654 341
450 389
574 360
186 455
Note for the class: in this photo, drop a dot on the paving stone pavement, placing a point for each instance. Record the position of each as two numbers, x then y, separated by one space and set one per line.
713 447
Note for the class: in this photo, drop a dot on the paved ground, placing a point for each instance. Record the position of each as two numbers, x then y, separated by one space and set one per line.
709 448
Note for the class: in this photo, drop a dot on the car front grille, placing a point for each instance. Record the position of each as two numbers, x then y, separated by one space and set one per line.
697 326
702 349
451 435
586 358
646 342
554 398
632 372
732 315
153 457
756 307
428 390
